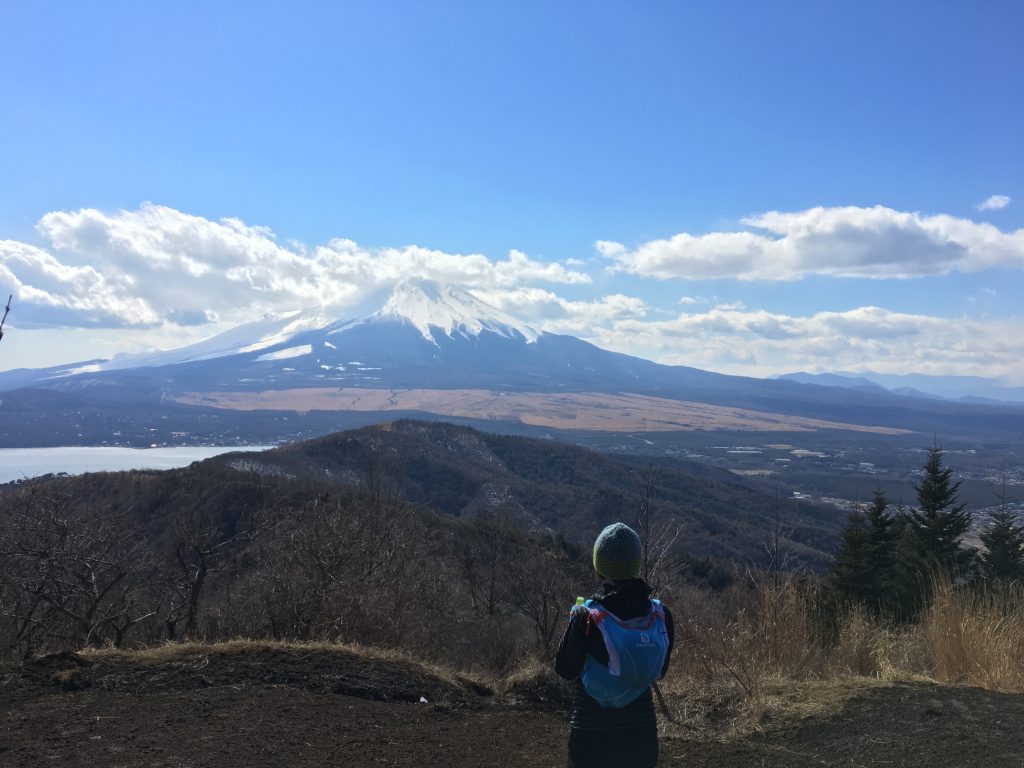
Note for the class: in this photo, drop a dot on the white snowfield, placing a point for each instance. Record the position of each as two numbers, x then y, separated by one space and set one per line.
427 305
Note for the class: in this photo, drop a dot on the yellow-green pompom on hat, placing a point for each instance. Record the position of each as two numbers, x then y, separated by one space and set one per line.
618 553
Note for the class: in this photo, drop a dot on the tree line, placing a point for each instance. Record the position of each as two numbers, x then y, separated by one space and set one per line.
889 557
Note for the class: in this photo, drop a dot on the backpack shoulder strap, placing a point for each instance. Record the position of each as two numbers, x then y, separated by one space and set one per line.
657 608
597 614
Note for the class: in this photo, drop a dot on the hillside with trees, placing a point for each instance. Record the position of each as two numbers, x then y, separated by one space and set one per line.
326 539
421 572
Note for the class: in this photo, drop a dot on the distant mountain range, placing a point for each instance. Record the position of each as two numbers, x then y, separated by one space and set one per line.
975 389
430 350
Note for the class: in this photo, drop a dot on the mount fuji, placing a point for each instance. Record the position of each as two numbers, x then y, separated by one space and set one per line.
421 334
426 349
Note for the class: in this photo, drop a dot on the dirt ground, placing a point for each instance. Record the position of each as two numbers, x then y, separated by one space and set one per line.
291 708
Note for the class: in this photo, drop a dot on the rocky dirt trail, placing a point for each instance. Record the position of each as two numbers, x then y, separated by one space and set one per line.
273 707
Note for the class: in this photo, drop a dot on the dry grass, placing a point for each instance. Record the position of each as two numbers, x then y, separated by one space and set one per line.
624 412
170 652
535 682
734 650
739 660
976 637
757 654
972 636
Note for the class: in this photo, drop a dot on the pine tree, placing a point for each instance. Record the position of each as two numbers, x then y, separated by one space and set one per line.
864 569
1003 537
910 570
850 577
936 528
883 533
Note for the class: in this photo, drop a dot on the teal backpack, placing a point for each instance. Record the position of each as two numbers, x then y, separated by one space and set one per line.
636 654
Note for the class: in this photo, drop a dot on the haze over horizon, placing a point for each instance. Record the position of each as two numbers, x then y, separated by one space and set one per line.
754 193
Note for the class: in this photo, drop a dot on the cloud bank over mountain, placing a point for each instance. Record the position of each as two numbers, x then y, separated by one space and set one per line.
158 265
159 277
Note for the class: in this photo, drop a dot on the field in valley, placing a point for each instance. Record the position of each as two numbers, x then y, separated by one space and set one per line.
563 410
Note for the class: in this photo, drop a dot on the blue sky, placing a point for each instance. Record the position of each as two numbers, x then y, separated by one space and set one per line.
667 131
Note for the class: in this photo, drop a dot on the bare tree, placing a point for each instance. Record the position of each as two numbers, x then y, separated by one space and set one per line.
482 552
645 479
198 543
340 567
543 578
72 579
3 319
658 533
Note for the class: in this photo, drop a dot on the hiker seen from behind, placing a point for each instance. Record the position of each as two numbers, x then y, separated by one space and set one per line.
616 645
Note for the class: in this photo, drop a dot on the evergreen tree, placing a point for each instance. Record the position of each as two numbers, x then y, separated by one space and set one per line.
1003 538
883 533
850 577
864 568
910 569
936 528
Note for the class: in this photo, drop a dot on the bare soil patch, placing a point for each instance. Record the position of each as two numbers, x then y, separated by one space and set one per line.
279 707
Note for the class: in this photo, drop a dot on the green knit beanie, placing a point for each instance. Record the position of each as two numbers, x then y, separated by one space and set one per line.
618 553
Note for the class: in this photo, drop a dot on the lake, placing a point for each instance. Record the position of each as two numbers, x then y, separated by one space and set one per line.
17 463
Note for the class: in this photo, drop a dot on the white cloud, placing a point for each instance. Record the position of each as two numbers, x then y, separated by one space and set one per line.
756 342
610 249
552 313
994 203
874 242
52 293
158 265
174 278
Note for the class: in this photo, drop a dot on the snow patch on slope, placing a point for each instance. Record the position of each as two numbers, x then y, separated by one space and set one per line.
285 354
289 326
249 337
87 368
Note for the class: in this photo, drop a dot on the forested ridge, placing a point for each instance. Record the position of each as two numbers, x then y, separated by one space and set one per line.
331 539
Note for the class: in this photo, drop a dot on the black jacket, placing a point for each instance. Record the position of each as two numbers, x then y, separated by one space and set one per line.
627 600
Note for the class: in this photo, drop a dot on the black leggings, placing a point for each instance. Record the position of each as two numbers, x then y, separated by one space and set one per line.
636 748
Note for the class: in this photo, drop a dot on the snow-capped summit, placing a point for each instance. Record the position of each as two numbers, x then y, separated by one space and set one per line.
426 305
